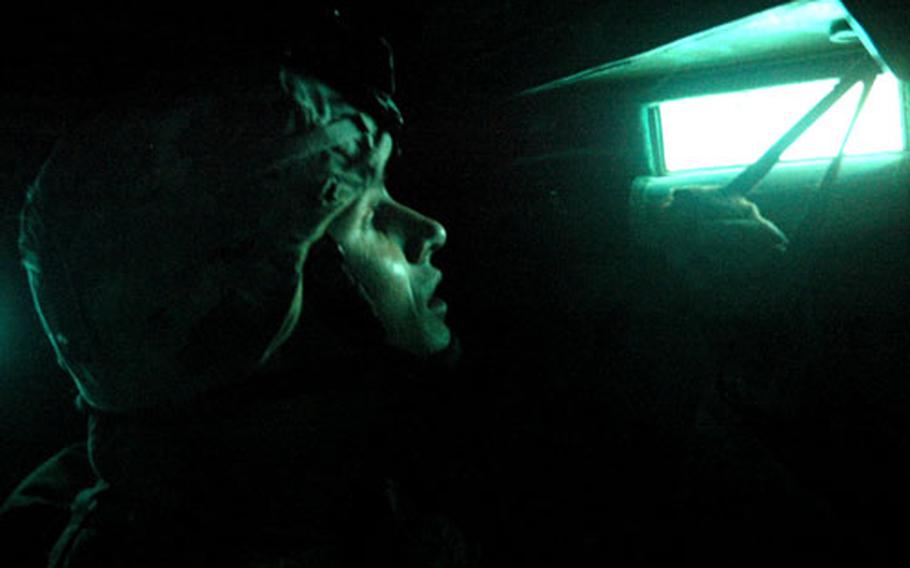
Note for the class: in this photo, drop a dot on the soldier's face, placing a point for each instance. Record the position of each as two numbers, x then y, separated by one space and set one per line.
388 249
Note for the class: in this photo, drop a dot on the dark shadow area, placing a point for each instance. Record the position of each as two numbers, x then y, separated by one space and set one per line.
617 415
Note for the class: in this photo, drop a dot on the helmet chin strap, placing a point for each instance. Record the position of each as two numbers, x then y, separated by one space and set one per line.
352 279
339 342
444 359
340 299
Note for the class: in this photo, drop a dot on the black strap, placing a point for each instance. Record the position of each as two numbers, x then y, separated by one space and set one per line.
810 228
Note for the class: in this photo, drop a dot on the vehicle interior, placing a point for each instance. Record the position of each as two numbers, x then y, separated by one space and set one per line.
744 405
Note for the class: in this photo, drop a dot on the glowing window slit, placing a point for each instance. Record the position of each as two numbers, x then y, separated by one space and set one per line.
732 129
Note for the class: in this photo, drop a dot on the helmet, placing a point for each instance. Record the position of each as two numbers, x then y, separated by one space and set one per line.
164 240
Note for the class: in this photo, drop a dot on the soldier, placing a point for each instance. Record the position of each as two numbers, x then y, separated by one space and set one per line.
242 304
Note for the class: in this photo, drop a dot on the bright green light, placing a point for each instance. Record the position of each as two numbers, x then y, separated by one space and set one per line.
733 129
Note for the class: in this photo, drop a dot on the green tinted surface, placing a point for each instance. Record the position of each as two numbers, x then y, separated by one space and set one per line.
731 129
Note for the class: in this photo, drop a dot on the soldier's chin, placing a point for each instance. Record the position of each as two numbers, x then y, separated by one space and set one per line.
441 352
431 338
441 340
